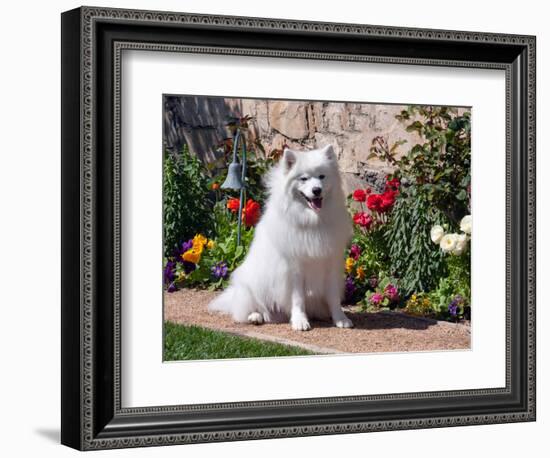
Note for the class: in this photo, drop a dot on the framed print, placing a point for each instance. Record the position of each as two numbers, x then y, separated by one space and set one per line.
276 228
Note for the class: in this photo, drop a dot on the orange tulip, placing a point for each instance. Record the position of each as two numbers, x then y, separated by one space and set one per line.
233 205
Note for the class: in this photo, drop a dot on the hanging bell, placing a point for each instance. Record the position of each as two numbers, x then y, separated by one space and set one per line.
233 179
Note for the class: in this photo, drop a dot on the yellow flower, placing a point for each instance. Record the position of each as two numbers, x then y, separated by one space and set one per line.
361 273
350 262
199 239
192 255
198 248
419 305
180 277
210 244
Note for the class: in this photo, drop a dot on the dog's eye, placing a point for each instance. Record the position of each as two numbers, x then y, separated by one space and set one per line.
304 178
321 177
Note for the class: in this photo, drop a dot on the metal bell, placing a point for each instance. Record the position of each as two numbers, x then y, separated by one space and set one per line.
233 179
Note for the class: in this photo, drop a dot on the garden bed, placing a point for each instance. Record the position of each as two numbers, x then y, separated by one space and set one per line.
373 332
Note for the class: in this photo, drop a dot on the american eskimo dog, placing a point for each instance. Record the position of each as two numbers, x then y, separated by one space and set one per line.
294 267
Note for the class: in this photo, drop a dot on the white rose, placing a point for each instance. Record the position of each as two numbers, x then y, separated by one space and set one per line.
461 244
437 233
466 224
448 242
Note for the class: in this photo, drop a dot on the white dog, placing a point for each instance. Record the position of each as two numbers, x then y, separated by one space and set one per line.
294 267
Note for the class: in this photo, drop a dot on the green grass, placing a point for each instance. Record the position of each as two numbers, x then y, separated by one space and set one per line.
193 342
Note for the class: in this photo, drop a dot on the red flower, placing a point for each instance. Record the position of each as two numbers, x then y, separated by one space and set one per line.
251 213
393 184
368 190
374 201
362 219
233 205
359 195
387 201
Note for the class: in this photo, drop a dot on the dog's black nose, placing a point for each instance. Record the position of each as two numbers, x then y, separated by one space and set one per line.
316 191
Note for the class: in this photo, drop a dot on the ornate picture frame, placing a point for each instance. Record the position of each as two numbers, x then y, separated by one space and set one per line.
92 42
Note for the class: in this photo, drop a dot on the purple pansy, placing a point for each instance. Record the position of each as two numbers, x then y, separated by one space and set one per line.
453 309
188 267
186 246
169 272
349 289
178 252
455 303
220 270
171 288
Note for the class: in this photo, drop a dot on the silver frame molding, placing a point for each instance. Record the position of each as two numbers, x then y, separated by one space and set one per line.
93 41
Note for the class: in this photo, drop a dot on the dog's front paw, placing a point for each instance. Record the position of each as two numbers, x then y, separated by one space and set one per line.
343 323
300 323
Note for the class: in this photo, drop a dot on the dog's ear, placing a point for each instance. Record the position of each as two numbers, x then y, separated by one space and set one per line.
289 159
328 151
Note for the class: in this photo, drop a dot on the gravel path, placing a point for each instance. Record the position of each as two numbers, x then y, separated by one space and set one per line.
373 332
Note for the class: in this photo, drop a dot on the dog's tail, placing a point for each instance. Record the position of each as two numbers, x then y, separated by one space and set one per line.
223 302
236 301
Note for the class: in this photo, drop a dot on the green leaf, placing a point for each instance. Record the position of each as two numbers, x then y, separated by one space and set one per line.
239 251
417 125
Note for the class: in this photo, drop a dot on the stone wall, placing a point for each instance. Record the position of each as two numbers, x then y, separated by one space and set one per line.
349 127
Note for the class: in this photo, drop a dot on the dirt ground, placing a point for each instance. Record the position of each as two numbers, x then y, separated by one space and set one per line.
373 332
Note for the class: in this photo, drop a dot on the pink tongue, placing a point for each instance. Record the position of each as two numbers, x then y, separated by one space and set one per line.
317 203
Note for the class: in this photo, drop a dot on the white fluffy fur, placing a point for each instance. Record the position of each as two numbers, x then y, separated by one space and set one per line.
294 267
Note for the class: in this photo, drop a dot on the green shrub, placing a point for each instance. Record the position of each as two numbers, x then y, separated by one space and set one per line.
186 206
374 253
455 283
441 165
435 189
414 258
